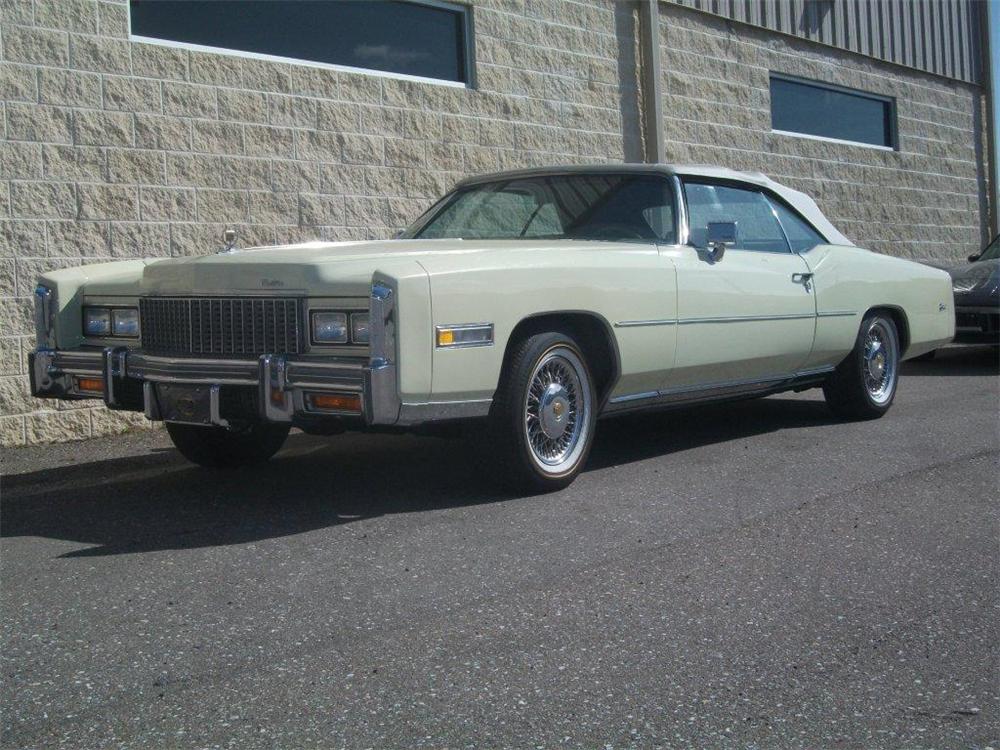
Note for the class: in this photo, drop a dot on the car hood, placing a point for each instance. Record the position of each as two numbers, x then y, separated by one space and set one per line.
319 268
977 283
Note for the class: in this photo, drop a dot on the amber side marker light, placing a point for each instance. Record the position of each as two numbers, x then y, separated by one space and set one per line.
459 336
346 402
90 385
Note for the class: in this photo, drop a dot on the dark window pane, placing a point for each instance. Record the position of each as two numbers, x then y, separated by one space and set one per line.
397 37
831 113
757 227
603 206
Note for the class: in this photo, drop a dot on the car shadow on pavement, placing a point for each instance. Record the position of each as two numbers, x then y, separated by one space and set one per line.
957 360
158 501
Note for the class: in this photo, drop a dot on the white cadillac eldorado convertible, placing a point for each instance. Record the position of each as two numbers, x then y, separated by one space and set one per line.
536 300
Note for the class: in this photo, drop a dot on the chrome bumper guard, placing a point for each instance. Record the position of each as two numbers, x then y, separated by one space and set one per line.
130 376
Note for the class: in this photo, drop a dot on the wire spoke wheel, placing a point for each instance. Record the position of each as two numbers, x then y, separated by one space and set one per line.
863 385
880 360
556 410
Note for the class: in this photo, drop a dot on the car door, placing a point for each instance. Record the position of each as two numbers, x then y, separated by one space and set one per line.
749 315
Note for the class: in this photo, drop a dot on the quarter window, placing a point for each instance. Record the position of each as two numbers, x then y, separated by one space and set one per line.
801 236
824 111
757 227
427 39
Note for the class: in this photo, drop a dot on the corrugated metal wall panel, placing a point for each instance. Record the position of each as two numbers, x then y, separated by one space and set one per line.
937 36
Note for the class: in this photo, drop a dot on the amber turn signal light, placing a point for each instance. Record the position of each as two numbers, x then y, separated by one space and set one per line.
348 402
90 385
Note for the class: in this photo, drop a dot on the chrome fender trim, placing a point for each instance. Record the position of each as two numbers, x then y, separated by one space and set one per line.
382 401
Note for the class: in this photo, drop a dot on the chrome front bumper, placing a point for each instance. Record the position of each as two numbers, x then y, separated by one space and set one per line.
284 383
287 386
55 374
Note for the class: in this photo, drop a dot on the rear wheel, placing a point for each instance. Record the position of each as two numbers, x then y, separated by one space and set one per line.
543 414
864 384
219 448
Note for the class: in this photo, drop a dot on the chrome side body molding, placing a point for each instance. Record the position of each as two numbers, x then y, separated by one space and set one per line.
733 319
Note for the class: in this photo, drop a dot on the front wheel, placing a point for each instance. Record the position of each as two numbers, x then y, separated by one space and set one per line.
864 384
544 414
219 448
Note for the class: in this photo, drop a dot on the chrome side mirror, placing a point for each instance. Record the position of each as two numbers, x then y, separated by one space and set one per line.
721 234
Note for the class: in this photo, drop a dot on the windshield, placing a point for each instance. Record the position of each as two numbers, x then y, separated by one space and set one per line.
616 207
992 251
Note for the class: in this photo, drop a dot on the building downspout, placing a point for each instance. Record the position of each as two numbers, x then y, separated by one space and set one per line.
652 99
990 25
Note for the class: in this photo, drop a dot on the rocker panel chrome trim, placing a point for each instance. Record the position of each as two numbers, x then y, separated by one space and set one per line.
720 389
434 411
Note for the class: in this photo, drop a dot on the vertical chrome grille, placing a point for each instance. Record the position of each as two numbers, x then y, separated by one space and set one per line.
220 326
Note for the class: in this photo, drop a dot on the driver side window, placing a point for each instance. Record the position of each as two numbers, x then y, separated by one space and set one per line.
757 227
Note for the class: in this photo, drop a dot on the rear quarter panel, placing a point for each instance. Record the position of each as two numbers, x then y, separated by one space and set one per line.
853 280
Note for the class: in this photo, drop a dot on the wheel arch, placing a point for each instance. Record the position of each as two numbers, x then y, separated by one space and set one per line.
591 330
898 316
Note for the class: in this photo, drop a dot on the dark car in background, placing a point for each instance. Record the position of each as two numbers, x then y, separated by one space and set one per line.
977 297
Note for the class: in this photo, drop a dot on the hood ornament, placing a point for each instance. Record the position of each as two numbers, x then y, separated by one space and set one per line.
229 238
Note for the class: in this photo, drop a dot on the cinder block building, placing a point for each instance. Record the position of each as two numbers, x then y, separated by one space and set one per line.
144 128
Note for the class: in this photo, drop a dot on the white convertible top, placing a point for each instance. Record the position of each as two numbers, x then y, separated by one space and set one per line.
801 202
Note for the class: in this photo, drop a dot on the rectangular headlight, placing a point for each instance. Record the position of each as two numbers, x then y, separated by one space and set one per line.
359 328
329 327
96 321
125 322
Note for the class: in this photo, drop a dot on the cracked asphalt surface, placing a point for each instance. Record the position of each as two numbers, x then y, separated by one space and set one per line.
754 575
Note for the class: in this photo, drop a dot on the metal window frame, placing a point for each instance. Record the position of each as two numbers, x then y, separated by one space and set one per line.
465 9
860 93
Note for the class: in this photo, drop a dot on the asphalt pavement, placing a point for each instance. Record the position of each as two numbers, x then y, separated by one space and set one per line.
754 575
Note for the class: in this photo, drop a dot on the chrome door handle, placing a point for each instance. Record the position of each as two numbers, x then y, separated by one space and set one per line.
803 278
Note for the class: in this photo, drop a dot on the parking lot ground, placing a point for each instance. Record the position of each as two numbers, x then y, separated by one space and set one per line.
753 575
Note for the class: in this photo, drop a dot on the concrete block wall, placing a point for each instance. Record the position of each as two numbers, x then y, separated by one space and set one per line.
927 200
114 149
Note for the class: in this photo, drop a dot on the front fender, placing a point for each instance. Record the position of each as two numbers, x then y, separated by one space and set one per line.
66 291
615 288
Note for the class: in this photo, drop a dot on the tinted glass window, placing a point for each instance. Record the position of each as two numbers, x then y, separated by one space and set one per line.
398 37
614 207
499 214
757 227
801 236
831 113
